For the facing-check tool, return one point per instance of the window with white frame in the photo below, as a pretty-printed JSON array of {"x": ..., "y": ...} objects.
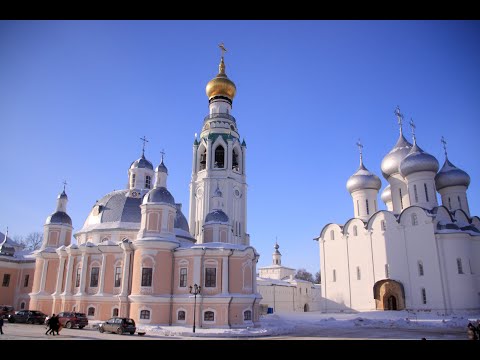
[
  {"x": 91, "y": 311},
  {"x": 368, "y": 209},
  {"x": 181, "y": 315},
  {"x": 94, "y": 276},
  {"x": 148, "y": 182},
  {"x": 115, "y": 312},
  {"x": 208, "y": 316},
  {"x": 118, "y": 276},
  {"x": 210, "y": 277},
  {"x": 424, "y": 296},
  {"x": 183, "y": 277},
  {"x": 145, "y": 314},
  {"x": 247, "y": 315},
  {"x": 132, "y": 181},
  {"x": 426, "y": 191},
  {"x": 415, "y": 192},
  {"x": 147, "y": 276},
  {"x": 79, "y": 274}
]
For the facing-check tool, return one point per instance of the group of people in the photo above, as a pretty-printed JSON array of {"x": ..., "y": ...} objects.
[
  {"x": 53, "y": 325},
  {"x": 473, "y": 331}
]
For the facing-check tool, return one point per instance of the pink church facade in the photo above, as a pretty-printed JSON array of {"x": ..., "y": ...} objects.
[{"x": 137, "y": 256}]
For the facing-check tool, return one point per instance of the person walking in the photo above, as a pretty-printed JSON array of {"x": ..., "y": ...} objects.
[
  {"x": 51, "y": 325},
  {"x": 1, "y": 324}
]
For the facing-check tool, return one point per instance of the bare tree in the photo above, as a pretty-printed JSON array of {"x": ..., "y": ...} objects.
[
  {"x": 17, "y": 238},
  {"x": 33, "y": 241},
  {"x": 303, "y": 274},
  {"x": 318, "y": 278}
]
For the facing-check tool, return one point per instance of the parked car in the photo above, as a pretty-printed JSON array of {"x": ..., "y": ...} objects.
[
  {"x": 70, "y": 319},
  {"x": 6, "y": 310},
  {"x": 27, "y": 316},
  {"x": 118, "y": 325}
]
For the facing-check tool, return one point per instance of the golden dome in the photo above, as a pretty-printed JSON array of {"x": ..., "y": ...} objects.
[{"x": 221, "y": 84}]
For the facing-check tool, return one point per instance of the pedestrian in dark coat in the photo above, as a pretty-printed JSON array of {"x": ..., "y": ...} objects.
[
  {"x": 471, "y": 332},
  {"x": 1, "y": 324}
]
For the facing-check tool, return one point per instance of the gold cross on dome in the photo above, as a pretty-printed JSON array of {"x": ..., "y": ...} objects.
[{"x": 222, "y": 48}]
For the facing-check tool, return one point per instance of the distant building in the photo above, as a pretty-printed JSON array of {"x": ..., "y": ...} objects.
[
  {"x": 415, "y": 255},
  {"x": 282, "y": 292},
  {"x": 16, "y": 273}
]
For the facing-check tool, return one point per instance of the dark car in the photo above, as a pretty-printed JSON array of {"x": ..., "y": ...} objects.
[
  {"x": 28, "y": 317},
  {"x": 118, "y": 325},
  {"x": 6, "y": 310},
  {"x": 70, "y": 319}
]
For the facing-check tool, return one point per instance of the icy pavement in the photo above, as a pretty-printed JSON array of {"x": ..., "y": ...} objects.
[{"x": 298, "y": 324}]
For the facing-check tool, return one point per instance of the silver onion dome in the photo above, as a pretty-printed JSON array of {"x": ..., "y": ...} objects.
[
  {"x": 450, "y": 175},
  {"x": 391, "y": 161},
  {"x": 363, "y": 179},
  {"x": 159, "y": 194},
  {"x": 387, "y": 194},
  {"x": 216, "y": 216},
  {"x": 141, "y": 163},
  {"x": 417, "y": 160},
  {"x": 162, "y": 168},
  {"x": 59, "y": 217}
]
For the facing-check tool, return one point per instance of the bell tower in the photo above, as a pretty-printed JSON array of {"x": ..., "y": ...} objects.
[{"x": 219, "y": 162}]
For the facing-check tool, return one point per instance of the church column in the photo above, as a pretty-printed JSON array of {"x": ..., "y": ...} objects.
[
  {"x": 44, "y": 275},
  {"x": 61, "y": 267},
  {"x": 210, "y": 154},
  {"x": 126, "y": 270},
  {"x": 102, "y": 275},
  {"x": 83, "y": 279},
  {"x": 68, "y": 282},
  {"x": 225, "y": 274}
]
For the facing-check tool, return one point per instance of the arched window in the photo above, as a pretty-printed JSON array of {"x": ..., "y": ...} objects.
[
  {"x": 219, "y": 157},
  {"x": 145, "y": 314},
  {"x": 91, "y": 311},
  {"x": 203, "y": 159},
  {"x": 209, "y": 316},
  {"x": 94, "y": 272},
  {"x": 368, "y": 210},
  {"x": 424, "y": 296},
  {"x": 414, "y": 219},
  {"x": 459, "y": 266},
  {"x": 415, "y": 192},
  {"x": 332, "y": 235},
  {"x": 148, "y": 182},
  {"x": 181, "y": 315},
  {"x": 132, "y": 181},
  {"x": 426, "y": 191},
  {"x": 420, "y": 268},
  {"x": 359, "y": 274},
  {"x": 115, "y": 312},
  {"x": 22, "y": 305},
  {"x": 355, "y": 232},
  {"x": 235, "y": 164},
  {"x": 247, "y": 315}
]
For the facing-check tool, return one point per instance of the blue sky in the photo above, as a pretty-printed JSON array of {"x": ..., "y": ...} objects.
[{"x": 76, "y": 96}]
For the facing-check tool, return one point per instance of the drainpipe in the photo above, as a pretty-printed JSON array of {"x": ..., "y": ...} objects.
[
  {"x": 202, "y": 260},
  {"x": 171, "y": 289},
  {"x": 228, "y": 288}
]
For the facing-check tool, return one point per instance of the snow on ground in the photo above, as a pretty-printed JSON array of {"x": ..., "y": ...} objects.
[{"x": 284, "y": 323}]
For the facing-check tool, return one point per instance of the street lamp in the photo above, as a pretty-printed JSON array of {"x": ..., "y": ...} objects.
[{"x": 195, "y": 290}]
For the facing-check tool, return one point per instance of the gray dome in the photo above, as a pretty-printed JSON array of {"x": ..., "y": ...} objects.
[
  {"x": 141, "y": 163},
  {"x": 363, "y": 179},
  {"x": 181, "y": 221},
  {"x": 162, "y": 168},
  {"x": 387, "y": 194},
  {"x": 391, "y": 161},
  {"x": 417, "y": 160},
  {"x": 117, "y": 207},
  {"x": 216, "y": 215},
  {"x": 159, "y": 195},
  {"x": 450, "y": 175},
  {"x": 59, "y": 217}
]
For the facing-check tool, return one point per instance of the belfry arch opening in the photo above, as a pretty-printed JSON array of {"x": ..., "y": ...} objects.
[
  {"x": 219, "y": 157},
  {"x": 389, "y": 295},
  {"x": 202, "y": 158},
  {"x": 235, "y": 162}
]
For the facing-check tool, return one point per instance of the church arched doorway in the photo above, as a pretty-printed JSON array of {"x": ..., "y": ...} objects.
[
  {"x": 305, "y": 308},
  {"x": 389, "y": 295},
  {"x": 391, "y": 303}
]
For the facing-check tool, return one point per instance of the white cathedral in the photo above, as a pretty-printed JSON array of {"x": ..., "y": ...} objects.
[{"x": 417, "y": 254}]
